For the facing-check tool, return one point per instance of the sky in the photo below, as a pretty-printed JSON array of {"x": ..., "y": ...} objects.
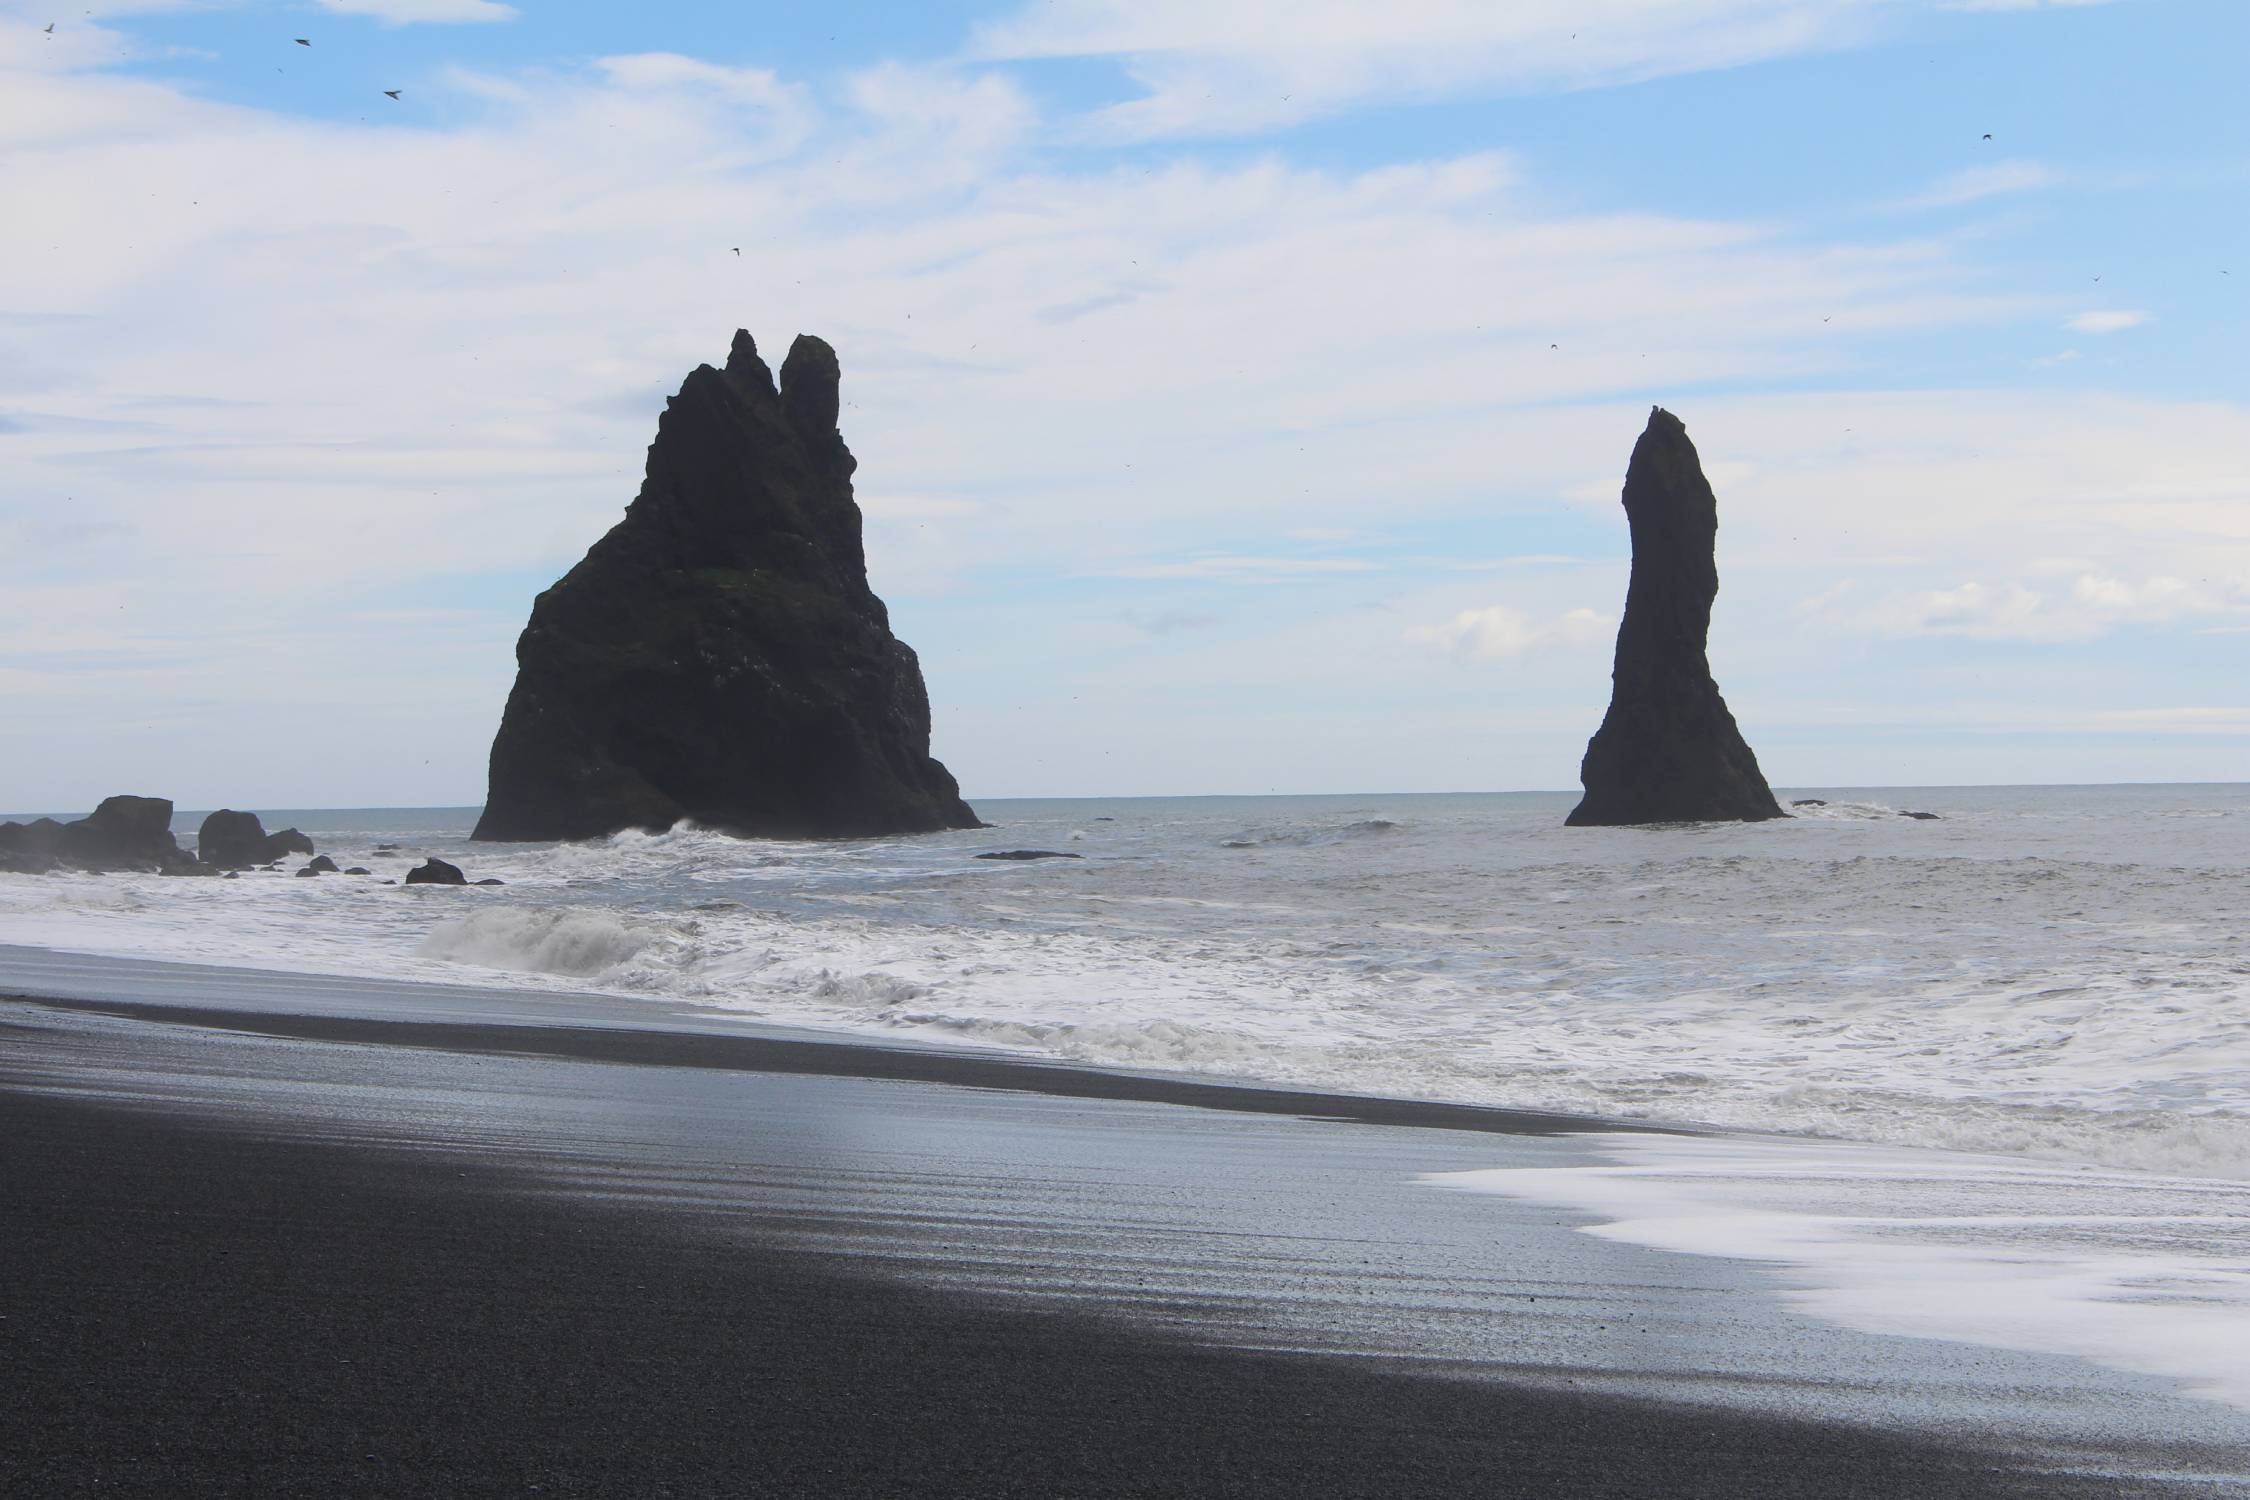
[{"x": 1241, "y": 389}]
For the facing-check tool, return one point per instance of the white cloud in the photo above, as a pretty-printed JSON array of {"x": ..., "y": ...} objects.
[
  {"x": 1497, "y": 632},
  {"x": 413, "y": 12},
  {"x": 2110, "y": 321},
  {"x": 1246, "y": 569},
  {"x": 1215, "y": 66},
  {"x": 2087, "y": 606},
  {"x": 1978, "y": 183},
  {"x": 1233, "y": 66}
]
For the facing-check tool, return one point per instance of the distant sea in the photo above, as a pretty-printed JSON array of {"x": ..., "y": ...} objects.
[{"x": 2040, "y": 998}]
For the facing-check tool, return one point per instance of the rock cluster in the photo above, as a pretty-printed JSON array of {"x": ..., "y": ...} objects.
[
  {"x": 124, "y": 833},
  {"x": 718, "y": 656},
  {"x": 1668, "y": 751},
  {"x": 135, "y": 834}
]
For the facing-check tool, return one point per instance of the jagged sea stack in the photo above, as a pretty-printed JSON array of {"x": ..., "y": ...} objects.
[
  {"x": 718, "y": 656},
  {"x": 1668, "y": 751}
]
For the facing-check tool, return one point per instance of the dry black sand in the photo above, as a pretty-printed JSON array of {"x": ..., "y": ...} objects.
[{"x": 193, "y": 1308}]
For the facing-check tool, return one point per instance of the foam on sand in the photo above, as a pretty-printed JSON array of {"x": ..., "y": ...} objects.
[{"x": 2133, "y": 1271}]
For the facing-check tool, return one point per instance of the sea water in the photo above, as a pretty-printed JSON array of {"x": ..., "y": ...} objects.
[{"x": 2043, "y": 992}]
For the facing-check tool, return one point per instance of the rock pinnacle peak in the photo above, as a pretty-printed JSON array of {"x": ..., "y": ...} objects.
[
  {"x": 1668, "y": 750},
  {"x": 718, "y": 656}
]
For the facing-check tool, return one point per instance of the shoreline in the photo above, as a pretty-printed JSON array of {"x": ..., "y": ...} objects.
[{"x": 258, "y": 1245}]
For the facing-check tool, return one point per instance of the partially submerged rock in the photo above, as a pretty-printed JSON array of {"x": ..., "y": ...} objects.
[
  {"x": 124, "y": 833},
  {"x": 436, "y": 872},
  {"x": 718, "y": 656},
  {"x": 1029, "y": 854},
  {"x": 239, "y": 841},
  {"x": 1668, "y": 751}
]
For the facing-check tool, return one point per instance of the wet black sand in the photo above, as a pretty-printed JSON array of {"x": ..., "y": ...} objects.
[{"x": 193, "y": 1306}]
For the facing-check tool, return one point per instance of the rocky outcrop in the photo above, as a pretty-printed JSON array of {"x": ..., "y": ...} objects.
[
  {"x": 32, "y": 848},
  {"x": 719, "y": 656},
  {"x": 436, "y": 872},
  {"x": 124, "y": 833},
  {"x": 1020, "y": 854},
  {"x": 1668, "y": 750},
  {"x": 239, "y": 841}
]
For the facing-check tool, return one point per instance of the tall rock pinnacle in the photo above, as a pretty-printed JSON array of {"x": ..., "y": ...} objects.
[
  {"x": 718, "y": 656},
  {"x": 1668, "y": 751}
]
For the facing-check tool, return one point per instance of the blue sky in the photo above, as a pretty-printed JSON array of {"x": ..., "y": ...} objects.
[{"x": 1241, "y": 389}]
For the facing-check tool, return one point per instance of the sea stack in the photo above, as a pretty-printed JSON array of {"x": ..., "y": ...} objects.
[
  {"x": 718, "y": 656},
  {"x": 1668, "y": 751}
]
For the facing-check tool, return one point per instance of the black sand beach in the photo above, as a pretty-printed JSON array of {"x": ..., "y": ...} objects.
[{"x": 256, "y": 1254}]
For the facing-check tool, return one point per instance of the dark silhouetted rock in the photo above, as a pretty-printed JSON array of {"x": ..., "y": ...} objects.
[
  {"x": 33, "y": 848},
  {"x": 357, "y": 870},
  {"x": 1668, "y": 751},
  {"x": 488, "y": 880},
  {"x": 436, "y": 872},
  {"x": 1808, "y": 802},
  {"x": 124, "y": 833},
  {"x": 239, "y": 841},
  {"x": 718, "y": 656},
  {"x": 308, "y": 870},
  {"x": 1029, "y": 854},
  {"x": 1922, "y": 816},
  {"x": 321, "y": 866}
]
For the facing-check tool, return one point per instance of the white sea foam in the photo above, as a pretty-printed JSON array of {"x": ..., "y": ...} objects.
[
  {"x": 2135, "y": 1271},
  {"x": 575, "y": 944}
]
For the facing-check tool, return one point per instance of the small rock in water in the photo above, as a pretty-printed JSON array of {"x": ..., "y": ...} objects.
[
  {"x": 488, "y": 880},
  {"x": 358, "y": 870},
  {"x": 1923, "y": 816},
  {"x": 386, "y": 848},
  {"x": 1028, "y": 854},
  {"x": 321, "y": 865},
  {"x": 1808, "y": 802},
  {"x": 436, "y": 872}
]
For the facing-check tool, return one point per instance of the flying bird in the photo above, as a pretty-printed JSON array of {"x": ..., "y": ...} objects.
[
  {"x": 391, "y": 93},
  {"x": 50, "y": 28},
  {"x": 1988, "y": 135},
  {"x": 302, "y": 41},
  {"x": 736, "y": 248}
]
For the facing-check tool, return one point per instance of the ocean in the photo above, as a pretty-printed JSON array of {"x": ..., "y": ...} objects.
[{"x": 2001, "y": 1056}]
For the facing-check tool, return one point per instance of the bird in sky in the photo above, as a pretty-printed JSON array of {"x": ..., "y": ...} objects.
[
  {"x": 391, "y": 93},
  {"x": 302, "y": 41},
  {"x": 1988, "y": 135},
  {"x": 50, "y": 28},
  {"x": 736, "y": 248}
]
